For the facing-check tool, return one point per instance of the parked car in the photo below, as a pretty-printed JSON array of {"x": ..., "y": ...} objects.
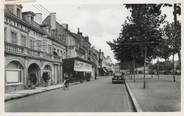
[{"x": 118, "y": 77}]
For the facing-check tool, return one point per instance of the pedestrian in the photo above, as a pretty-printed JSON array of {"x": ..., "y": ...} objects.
[{"x": 66, "y": 82}]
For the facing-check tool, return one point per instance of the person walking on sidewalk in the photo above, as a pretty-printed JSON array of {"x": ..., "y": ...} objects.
[{"x": 66, "y": 82}]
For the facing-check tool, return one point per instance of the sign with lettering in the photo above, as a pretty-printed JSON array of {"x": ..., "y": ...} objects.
[{"x": 82, "y": 66}]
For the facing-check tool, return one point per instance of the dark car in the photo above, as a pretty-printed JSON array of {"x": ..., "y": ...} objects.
[{"x": 118, "y": 78}]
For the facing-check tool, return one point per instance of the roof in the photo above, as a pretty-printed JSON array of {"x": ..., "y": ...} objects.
[
  {"x": 35, "y": 26},
  {"x": 46, "y": 22}
]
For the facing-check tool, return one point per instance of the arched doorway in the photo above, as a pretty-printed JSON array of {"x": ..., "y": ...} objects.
[
  {"x": 14, "y": 73},
  {"x": 33, "y": 74},
  {"x": 47, "y": 73}
]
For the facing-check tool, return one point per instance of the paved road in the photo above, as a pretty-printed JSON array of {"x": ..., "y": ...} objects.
[{"x": 93, "y": 96}]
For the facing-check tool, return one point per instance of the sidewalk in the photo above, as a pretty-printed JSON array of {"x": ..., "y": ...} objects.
[
  {"x": 162, "y": 95},
  {"x": 24, "y": 93}
]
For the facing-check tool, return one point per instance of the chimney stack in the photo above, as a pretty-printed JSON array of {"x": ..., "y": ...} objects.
[
  {"x": 78, "y": 30},
  {"x": 87, "y": 38},
  {"x": 65, "y": 26},
  {"x": 80, "y": 33},
  {"x": 53, "y": 21},
  {"x": 28, "y": 16}
]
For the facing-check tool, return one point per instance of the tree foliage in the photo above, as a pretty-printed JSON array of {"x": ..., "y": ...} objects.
[
  {"x": 140, "y": 30},
  {"x": 173, "y": 33}
]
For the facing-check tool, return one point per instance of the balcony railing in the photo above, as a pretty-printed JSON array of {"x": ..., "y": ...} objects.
[
  {"x": 24, "y": 51},
  {"x": 35, "y": 53},
  {"x": 13, "y": 48}
]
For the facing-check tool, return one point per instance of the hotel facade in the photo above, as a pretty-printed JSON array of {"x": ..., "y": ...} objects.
[{"x": 30, "y": 50}]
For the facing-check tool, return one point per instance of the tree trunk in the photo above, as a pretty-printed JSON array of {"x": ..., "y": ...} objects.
[
  {"x": 158, "y": 68},
  {"x": 173, "y": 70},
  {"x": 134, "y": 69},
  {"x": 145, "y": 55},
  {"x": 179, "y": 57}
]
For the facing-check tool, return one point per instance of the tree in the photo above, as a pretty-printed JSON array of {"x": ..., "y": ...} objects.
[
  {"x": 140, "y": 34},
  {"x": 173, "y": 34}
]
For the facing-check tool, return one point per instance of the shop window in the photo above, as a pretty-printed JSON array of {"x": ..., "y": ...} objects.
[{"x": 14, "y": 73}]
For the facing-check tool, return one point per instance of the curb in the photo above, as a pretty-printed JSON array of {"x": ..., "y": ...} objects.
[
  {"x": 133, "y": 99},
  {"x": 36, "y": 92}
]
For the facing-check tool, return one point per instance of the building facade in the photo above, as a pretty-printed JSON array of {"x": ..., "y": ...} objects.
[
  {"x": 29, "y": 51},
  {"x": 36, "y": 50}
]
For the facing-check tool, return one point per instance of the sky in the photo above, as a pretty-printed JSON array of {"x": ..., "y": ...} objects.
[{"x": 101, "y": 21}]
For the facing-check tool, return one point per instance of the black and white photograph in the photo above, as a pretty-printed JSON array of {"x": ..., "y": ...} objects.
[{"x": 63, "y": 56}]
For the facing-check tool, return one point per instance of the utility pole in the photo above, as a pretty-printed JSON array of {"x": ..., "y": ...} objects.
[{"x": 175, "y": 12}]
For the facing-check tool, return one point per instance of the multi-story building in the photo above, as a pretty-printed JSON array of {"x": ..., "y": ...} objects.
[
  {"x": 108, "y": 65},
  {"x": 94, "y": 57},
  {"x": 77, "y": 65},
  {"x": 105, "y": 64},
  {"x": 30, "y": 50}
]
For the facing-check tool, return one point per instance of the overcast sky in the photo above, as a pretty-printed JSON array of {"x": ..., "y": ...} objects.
[{"x": 101, "y": 21}]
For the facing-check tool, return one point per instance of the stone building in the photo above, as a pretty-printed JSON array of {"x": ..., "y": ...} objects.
[
  {"x": 31, "y": 49},
  {"x": 94, "y": 57},
  {"x": 105, "y": 64},
  {"x": 78, "y": 64}
]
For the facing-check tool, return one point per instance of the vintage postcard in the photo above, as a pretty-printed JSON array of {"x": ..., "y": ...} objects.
[{"x": 64, "y": 57}]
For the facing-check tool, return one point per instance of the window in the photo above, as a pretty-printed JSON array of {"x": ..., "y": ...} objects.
[
  {"x": 5, "y": 34},
  {"x": 23, "y": 40},
  {"x": 18, "y": 13},
  {"x": 50, "y": 49},
  {"x": 14, "y": 37},
  {"x": 32, "y": 43},
  {"x": 45, "y": 45},
  {"x": 39, "y": 45}
]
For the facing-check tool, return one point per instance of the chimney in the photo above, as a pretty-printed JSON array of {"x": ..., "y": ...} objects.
[
  {"x": 28, "y": 16},
  {"x": 78, "y": 30},
  {"x": 87, "y": 38},
  {"x": 16, "y": 9},
  {"x": 65, "y": 26},
  {"x": 38, "y": 18},
  {"x": 46, "y": 28},
  {"x": 80, "y": 33},
  {"x": 53, "y": 21}
]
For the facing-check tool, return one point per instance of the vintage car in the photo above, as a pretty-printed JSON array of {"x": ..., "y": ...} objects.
[{"x": 118, "y": 77}]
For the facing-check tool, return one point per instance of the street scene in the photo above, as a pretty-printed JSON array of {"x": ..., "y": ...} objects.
[
  {"x": 92, "y": 57},
  {"x": 94, "y": 96}
]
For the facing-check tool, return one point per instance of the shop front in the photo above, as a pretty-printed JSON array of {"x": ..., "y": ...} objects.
[{"x": 77, "y": 69}]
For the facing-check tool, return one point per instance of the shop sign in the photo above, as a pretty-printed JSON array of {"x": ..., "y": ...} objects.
[{"x": 82, "y": 66}]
